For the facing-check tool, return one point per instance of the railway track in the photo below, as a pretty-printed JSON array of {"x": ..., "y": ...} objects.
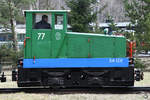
[
  {"x": 143, "y": 56},
  {"x": 113, "y": 90}
]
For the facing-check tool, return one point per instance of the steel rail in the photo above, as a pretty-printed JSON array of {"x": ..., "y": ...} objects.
[{"x": 113, "y": 90}]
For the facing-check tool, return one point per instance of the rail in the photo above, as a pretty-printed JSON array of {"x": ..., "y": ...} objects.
[{"x": 112, "y": 90}]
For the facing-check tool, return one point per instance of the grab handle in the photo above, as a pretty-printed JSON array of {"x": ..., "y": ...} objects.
[{"x": 25, "y": 41}]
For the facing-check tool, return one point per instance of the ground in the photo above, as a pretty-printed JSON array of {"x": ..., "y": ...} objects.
[
  {"x": 23, "y": 96},
  {"x": 75, "y": 96}
]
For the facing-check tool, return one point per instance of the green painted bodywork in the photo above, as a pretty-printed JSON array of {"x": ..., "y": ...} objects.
[{"x": 58, "y": 43}]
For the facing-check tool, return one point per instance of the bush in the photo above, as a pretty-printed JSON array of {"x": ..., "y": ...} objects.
[
  {"x": 9, "y": 55},
  {"x": 139, "y": 64}
]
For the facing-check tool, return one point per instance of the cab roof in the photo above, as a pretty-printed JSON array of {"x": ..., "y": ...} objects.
[{"x": 45, "y": 11}]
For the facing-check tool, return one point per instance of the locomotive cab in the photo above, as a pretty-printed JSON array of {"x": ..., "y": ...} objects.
[{"x": 43, "y": 39}]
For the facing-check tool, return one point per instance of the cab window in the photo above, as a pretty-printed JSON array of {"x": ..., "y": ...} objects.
[
  {"x": 41, "y": 21},
  {"x": 59, "y": 21}
]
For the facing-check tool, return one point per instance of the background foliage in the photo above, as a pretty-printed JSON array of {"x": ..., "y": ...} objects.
[
  {"x": 8, "y": 55},
  {"x": 81, "y": 15},
  {"x": 139, "y": 13},
  {"x": 10, "y": 12}
]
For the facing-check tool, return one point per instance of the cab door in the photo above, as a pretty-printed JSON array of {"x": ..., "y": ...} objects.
[
  {"x": 41, "y": 43},
  {"x": 59, "y": 29},
  {"x": 41, "y": 40}
]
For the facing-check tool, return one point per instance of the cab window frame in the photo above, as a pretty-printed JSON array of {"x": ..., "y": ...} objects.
[
  {"x": 34, "y": 20},
  {"x": 55, "y": 21}
]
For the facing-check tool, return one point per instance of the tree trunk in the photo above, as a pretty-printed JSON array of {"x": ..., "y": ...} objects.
[
  {"x": 47, "y": 5},
  {"x": 12, "y": 20},
  {"x": 15, "y": 43},
  {"x": 37, "y": 4},
  {"x": 31, "y": 7}
]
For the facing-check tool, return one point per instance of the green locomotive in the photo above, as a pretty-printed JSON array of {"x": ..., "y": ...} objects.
[{"x": 57, "y": 58}]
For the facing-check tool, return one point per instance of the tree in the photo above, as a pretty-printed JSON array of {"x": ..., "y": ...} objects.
[
  {"x": 139, "y": 13},
  {"x": 82, "y": 14},
  {"x": 10, "y": 10},
  {"x": 45, "y": 4},
  {"x": 50, "y": 4}
]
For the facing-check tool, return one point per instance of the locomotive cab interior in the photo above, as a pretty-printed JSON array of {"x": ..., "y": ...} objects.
[{"x": 58, "y": 23}]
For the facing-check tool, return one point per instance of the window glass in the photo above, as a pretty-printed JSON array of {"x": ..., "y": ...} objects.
[
  {"x": 58, "y": 21},
  {"x": 41, "y": 21}
]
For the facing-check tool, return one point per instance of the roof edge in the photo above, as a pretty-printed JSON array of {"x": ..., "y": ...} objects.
[{"x": 46, "y": 10}]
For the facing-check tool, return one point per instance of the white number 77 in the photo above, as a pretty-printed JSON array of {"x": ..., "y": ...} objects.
[{"x": 41, "y": 36}]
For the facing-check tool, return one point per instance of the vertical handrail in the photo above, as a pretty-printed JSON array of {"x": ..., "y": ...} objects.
[
  {"x": 25, "y": 41},
  {"x": 130, "y": 49}
]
